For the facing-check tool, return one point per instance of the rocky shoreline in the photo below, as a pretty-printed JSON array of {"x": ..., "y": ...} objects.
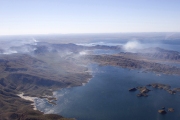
[{"x": 131, "y": 63}]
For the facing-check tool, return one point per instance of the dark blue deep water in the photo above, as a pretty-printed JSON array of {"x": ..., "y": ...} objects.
[{"x": 106, "y": 97}]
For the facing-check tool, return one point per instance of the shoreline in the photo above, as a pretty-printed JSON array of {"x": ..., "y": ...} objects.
[
  {"x": 52, "y": 99},
  {"x": 49, "y": 99},
  {"x": 32, "y": 99}
]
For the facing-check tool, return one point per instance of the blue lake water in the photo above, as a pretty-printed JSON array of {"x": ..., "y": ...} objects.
[{"x": 106, "y": 97}]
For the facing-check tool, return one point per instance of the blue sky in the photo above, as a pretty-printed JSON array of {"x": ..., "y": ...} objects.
[{"x": 88, "y": 16}]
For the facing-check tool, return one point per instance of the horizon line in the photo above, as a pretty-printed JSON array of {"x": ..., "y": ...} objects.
[{"x": 80, "y": 33}]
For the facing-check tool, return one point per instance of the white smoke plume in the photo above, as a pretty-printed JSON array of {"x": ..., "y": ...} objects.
[
  {"x": 132, "y": 46},
  {"x": 83, "y": 53}
]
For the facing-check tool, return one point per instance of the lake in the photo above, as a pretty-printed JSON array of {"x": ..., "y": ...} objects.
[{"x": 106, "y": 97}]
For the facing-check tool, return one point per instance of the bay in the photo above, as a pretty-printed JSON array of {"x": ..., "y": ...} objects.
[{"x": 106, "y": 97}]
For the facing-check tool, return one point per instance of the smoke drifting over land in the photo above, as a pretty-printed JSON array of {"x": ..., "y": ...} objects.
[
  {"x": 18, "y": 46},
  {"x": 132, "y": 46},
  {"x": 141, "y": 47}
]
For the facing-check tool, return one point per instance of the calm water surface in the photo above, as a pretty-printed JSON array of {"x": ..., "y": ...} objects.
[{"x": 106, "y": 97}]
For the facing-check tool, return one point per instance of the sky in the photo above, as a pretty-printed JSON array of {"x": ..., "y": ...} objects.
[{"x": 88, "y": 16}]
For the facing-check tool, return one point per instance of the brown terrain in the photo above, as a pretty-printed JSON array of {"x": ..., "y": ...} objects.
[
  {"x": 35, "y": 75},
  {"x": 55, "y": 66},
  {"x": 155, "y": 60}
]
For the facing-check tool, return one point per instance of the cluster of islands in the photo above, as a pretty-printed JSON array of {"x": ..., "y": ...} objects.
[
  {"x": 144, "y": 90},
  {"x": 49, "y": 67}
]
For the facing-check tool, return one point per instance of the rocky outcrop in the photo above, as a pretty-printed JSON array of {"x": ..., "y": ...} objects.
[
  {"x": 160, "y": 86},
  {"x": 164, "y": 87},
  {"x": 132, "y": 89},
  {"x": 142, "y": 91},
  {"x": 171, "y": 91},
  {"x": 170, "y": 109},
  {"x": 162, "y": 111}
]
